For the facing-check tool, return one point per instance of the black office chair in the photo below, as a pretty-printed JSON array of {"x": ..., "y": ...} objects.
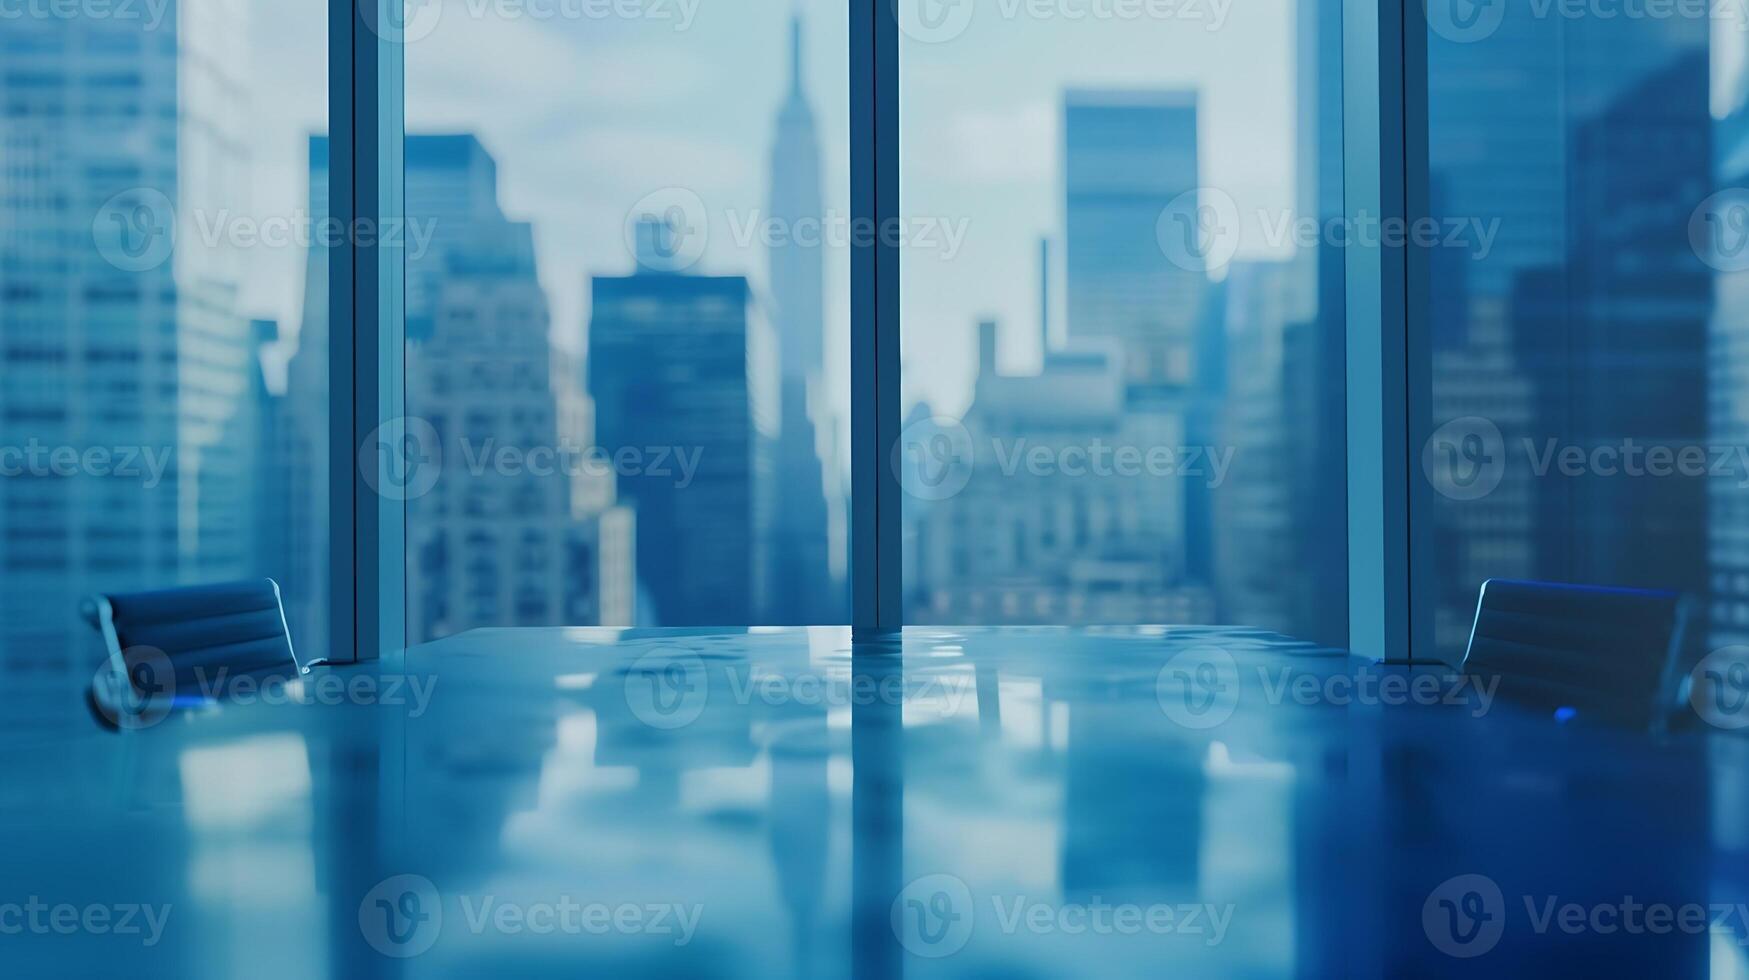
[
  {"x": 177, "y": 648},
  {"x": 1612, "y": 655}
]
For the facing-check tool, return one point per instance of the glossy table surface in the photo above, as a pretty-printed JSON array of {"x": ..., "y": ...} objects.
[{"x": 1190, "y": 802}]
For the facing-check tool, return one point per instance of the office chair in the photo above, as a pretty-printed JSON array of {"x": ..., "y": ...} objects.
[
  {"x": 1613, "y": 655},
  {"x": 176, "y": 648}
]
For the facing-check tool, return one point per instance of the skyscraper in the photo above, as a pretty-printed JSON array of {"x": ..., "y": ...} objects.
[
  {"x": 1518, "y": 136},
  {"x": 1728, "y": 403},
  {"x": 802, "y": 587},
  {"x": 515, "y": 543},
  {"x": 496, "y": 543},
  {"x": 1623, "y": 360},
  {"x": 685, "y": 367},
  {"x": 490, "y": 544},
  {"x": 119, "y": 327},
  {"x": 1128, "y": 156}
]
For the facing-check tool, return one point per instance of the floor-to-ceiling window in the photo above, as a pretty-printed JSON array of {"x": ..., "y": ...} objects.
[
  {"x": 1123, "y": 314},
  {"x": 163, "y": 315},
  {"x": 1576, "y": 395},
  {"x": 627, "y": 313}
]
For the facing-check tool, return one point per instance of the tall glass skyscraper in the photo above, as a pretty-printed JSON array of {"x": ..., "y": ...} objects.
[
  {"x": 120, "y": 332},
  {"x": 685, "y": 366},
  {"x": 1128, "y": 156},
  {"x": 810, "y": 504}
]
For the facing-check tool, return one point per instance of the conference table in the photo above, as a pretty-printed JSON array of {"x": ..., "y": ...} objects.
[{"x": 1004, "y": 802}]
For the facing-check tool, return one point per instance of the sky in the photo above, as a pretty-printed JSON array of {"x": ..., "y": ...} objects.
[{"x": 588, "y": 114}]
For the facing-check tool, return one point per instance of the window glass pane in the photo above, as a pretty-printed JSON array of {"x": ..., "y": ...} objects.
[
  {"x": 1580, "y": 390},
  {"x": 1122, "y": 315},
  {"x": 163, "y": 364},
  {"x": 627, "y": 325}
]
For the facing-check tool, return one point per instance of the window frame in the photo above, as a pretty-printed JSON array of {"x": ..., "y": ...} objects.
[{"x": 1385, "y": 174}]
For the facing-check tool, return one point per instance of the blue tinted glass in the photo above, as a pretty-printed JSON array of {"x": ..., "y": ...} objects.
[
  {"x": 1578, "y": 408},
  {"x": 1123, "y": 314},
  {"x": 163, "y": 362},
  {"x": 626, "y": 322}
]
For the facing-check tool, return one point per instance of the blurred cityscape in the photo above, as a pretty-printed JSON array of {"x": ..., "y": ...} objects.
[{"x": 713, "y": 489}]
